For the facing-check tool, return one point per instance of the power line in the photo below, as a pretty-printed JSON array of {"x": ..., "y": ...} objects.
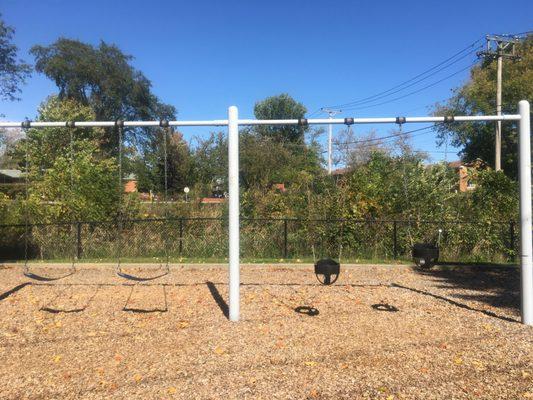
[
  {"x": 518, "y": 34},
  {"x": 413, "y": 92},
  {"x": 317, "y": 111},
  {"x": 395, "y": 135},
  {"x": 431, "y": 151},
  {"x": 425, "y": 106},
  {"x": 413, "y": 78},
  {"x": 390, "y": 92},
  {"x": 387, "y": 141}
]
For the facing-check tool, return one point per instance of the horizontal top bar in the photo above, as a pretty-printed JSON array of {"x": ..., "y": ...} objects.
[{"x": 251, "y": 122}]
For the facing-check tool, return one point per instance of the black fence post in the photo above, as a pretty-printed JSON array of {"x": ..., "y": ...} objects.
[
  {"x": 180, "y": 247},
  {"x": 512, "y": 240},
  {"x": 79, "y": 248},
  {"x": 181, "y": 237},
  {"x": 395, "y": 240},
  {"x": 285, "y": 251}
]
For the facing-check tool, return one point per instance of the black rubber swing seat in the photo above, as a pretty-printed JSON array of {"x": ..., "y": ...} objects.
[
  {"x": 36, "y": 277},
  {"x": 425, "y": 255},
  {"x": 27, "y": 273},
  {"x": 328, "y": 269},
  {"x": 141, "y": 278}
]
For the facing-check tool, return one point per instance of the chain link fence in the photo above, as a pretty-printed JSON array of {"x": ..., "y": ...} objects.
[{"x": 261, "y": 239}]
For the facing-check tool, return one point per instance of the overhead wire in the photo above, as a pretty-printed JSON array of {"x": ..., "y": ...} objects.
[
  {"x": 413, "y": 92},
  {"x": 390, "y": 92},
  {"x": 422, "y": 74},
  {"x": 381, "y": 138},
  {"x": 519, "y": 34}
]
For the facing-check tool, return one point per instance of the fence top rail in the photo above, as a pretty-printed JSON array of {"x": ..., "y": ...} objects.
[
  {"x": 252, "y": 122},
  {"x": 305, "y": 220}
]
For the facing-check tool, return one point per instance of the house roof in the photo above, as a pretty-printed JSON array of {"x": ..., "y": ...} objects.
[
  {"x": 12, "y": 173},
  {"x": 477, "y": 163},
  {"x": 340, "y": 171},
  {"x": 213, "y": 200},
  {"x": 455, "y": 164}
]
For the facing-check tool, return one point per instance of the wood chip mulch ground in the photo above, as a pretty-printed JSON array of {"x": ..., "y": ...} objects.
[{"x": 382, "y": 332}]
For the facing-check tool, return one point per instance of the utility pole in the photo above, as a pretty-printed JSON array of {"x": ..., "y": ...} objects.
[
  {"x": 331, "y": 113},
  {"x": 499, "y": 47}
]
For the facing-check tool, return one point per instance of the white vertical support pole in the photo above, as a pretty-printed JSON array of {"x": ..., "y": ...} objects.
[
  {"x": 234, "y": 247},
  {"x": 330, "y": 148},
  {"x": 498, "y": 136},
  {"x": 526, "y": 243}
]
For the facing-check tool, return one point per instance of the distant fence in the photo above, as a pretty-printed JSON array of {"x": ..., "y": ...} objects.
[{"x": 265, "y": 238}]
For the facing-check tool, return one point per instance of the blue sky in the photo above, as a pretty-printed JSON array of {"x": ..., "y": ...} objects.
[{"x": 203, "y": 56}]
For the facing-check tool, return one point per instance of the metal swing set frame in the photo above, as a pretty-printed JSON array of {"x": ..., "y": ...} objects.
[{"x": 233, "y": 122}]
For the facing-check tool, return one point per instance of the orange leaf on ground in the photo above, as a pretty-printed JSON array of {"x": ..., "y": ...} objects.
[{"x": 183, "y": 324}]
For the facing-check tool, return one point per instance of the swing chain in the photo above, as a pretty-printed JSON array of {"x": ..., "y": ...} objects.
[
  {"x": 120, "y": 126},
  {"x": 25, "y": 125},
  {"x": 166, "y": 130},
  {"x": 400, "y": 121}
]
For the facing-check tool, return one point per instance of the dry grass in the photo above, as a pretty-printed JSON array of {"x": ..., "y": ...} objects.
[{"x": 94, "y": 335}]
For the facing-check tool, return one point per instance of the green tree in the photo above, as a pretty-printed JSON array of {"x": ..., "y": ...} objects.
[
  {"x": 210, "y": 160},
  {"x": 478, "y": 96},
  {"x": 265, "y": 161},
  {"x": 13, "y": 72},
  {"x": 70, "y": 177},
  {"x": 103, "y": 78},
  {"x": 49, "y": 143},
  {"x": 83, "y": 188},
  {"x": 354, "y": 149},
  {"x": 150, "y": 165},
  {"x": 281, "y": 106}
]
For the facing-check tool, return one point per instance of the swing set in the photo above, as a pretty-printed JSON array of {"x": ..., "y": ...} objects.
[
  {"x": 165, "y": 266},
  {"x": 119, "y": 125},
  {"x": 328, "y": 268}
]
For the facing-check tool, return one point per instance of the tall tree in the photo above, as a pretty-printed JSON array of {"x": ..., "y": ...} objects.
[
  {"x": 70, "y": 177},
  {"x": 103, "y": 78},
  {"x": 150, "y": 166},
  {"x": 265, "y": 161},
  {"x": 353, "y": 150},
  {"x": 13, "y": 71},
  {"x": 478, "y": 96},
  {"x": 281, "y": 106},
  {"x": 211, "y": 160}
]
